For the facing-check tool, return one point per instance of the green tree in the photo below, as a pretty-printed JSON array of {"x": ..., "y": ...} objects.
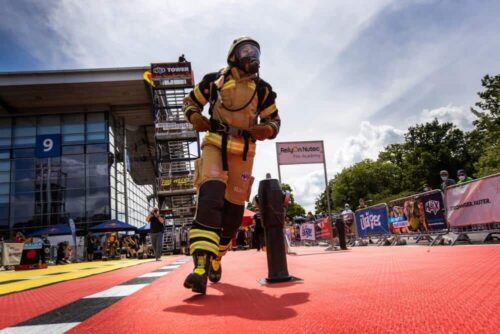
[
  {"x": 484, "y": 140},
  {"x": 365, "y": 179},
  {"x": 432, "y": 147},
  {"x": 294, "y": 209}
]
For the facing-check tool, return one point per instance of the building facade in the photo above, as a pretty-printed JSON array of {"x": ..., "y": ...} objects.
[{"x": 103, "y": 168}]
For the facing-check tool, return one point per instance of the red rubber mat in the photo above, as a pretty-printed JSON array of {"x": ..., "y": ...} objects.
[
  {"x": 370, "y": 289},
  {"x": 21, "y": 306}
]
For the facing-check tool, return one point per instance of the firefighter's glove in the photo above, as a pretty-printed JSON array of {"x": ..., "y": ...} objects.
[
  {"x": 200, "y": 122},
  {"x": 262, "y": 131}
]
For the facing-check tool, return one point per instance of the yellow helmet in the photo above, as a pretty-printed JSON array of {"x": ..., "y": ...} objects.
[{"x": 232, "y": 59}]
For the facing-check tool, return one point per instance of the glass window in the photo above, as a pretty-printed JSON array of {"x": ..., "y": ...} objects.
[
  {"x": 73, "y": 138},
  {"x": 25, "y": 127},
  {"x": 5, "y": 154},
  {"x": 97, "y": 164},
  {"x": 4, "y": 188},
  {"x": 78, "y": 182},
  {"x": 72, "y": 149},
  {"x": 73, "y": 166},
  {"x": 5, "y": 142},
  {"x": 73, "y": 123},
  {"x": 24, "y": 153},
  {"x": 97, "y": 181},
  {"x": 96, "y": 136},
  {"x": 23, "y": 186},
  {"x": 97, "y": 148},
  {"x": 24, "y": 164},
  {"x": 24, "y": 174},
  {"x": 4, "y": 199},
  {"x": 4, "y": 177},
  {"x": 4, "y": 165},
  {"x": 49, "y": 125},
  {"x": 96, "y": 122},
  {"x": 25, "y": 141}
]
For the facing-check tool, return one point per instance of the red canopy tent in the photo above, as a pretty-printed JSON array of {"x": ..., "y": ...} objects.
[{"x": 247, "y": 218}]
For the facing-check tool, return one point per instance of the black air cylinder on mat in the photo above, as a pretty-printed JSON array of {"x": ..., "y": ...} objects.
[{"x": 273, "y": 217}]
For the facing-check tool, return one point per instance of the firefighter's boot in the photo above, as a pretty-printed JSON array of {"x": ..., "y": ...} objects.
[
  {"x": 197, "y": 280},
  {"x": 215, "y": 270}
]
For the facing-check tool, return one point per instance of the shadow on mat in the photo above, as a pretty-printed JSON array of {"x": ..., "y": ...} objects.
[{"x": 241, "y": 302}]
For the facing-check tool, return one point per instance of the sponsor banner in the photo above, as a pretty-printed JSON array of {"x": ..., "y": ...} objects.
[
  {"x": 372, "y": 221},
  {"x": 435, "y": 214},
  {"x": 171, "y": 71},
  {"x": 303, "y": 152},
  {"x": 307, "y": 232},
  {"x": 422, "y": 212},
  {"x": 474, "y": 203},
  {"x": 32, "y": 253},
  {"x": 11, "y": 253},
  {"x": 323, "y": 227}
]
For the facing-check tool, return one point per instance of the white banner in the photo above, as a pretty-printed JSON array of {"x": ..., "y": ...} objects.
[
  {"x": 11, "y": 253},
  {"x": 307, "y": 232},
  {"x": 474, "y": 203},
  {"x": 300, "y": 152}
]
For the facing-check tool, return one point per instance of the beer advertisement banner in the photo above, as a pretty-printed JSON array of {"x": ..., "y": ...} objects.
[
  {"x": 422, "y": 213},
  {"x": 372, "y": 221},
  {"x": 307, "y": 232},
  {"x": 474, "y": 203},
  {"x": 302, "y": 152}
]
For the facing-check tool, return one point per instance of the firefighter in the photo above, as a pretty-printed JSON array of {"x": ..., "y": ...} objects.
[{"x": 242, "y": 111}]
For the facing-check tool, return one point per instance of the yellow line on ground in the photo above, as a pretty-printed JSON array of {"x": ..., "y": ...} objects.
[{"x": 59, "y": 273}]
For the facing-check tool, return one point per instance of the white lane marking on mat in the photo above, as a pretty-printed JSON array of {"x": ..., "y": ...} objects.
[
  {"x": 170, "y": 267},
  {"x": 118, "y": 291},
  {"x": 40, "y": 329},
  {"x": 155, "y": 274}
]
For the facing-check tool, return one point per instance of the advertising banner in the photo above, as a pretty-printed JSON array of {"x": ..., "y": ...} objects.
[
  {"x": 422, "y": 212},
  {"x": 323, "y": 227},
  {"x": 435, "y": 215},
  {"x": 372, "y": 221},
  {"x": 11, "y": 253},
  {"x": 302, "y": 152},
  {"x": 307, "y": 232},
  {"x": 32, "y": 253},
  {"x": 171, "y": 71},
  {"x": 474, "y": 203}
]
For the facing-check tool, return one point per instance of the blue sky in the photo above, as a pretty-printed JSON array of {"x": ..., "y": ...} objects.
[{"x": 355, "y": 74}]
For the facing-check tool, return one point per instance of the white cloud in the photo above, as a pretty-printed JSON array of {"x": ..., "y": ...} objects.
[
  {"x": 367, "y": 144},
  {"x": 460, "y": 116}
]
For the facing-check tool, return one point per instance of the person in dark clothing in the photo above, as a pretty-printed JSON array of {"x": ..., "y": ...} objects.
[
  {"x": 259, "y": 240},
  {"x": 446, "y": 180},
  {"x": 157, "y": 227}
]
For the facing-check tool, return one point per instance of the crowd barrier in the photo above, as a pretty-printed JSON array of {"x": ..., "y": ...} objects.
[
  {"x": 466, "y": 208},
  {"x": 474, "y": 207}
]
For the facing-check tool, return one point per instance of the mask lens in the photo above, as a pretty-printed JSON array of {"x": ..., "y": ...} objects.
[{"x": 247, "y": 50}]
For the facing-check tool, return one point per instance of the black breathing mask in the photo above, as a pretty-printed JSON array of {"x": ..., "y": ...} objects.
[{"x": 248, "y": 57}]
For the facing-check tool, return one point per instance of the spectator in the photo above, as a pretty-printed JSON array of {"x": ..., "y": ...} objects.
[
  {"x": 45, "y": 248},
  {"x": 347, "y": 209},
  {"x": 20, "y": 237},
  {"x": 157, "y": 227},
  {"x": 362, "y": 203},
  {"x": 426, "y": 187},
  {"x": 62, "y": 253},
  {"x": 446, "y": 180},
  {"x": 91, "y": 247},
  {"x": 310, "y": 217},
  {"x": 462, "y": 177}
]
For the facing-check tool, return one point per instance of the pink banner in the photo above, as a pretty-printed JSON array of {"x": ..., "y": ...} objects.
[{"x": 474, "y": 203}]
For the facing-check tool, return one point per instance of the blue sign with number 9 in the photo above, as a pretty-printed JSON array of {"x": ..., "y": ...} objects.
[{"x": 48, "y": 146}]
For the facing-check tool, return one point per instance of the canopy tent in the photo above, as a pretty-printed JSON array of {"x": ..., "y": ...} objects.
[
  {"x": 113, "y": 225},
  {"x": 247, "y": 217},
  {"x": 58, "y": 229},
  {"x": 144, "y": 229}
]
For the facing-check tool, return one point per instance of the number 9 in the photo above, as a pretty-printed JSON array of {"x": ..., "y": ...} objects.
[{"x": 47, "y": 144}]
